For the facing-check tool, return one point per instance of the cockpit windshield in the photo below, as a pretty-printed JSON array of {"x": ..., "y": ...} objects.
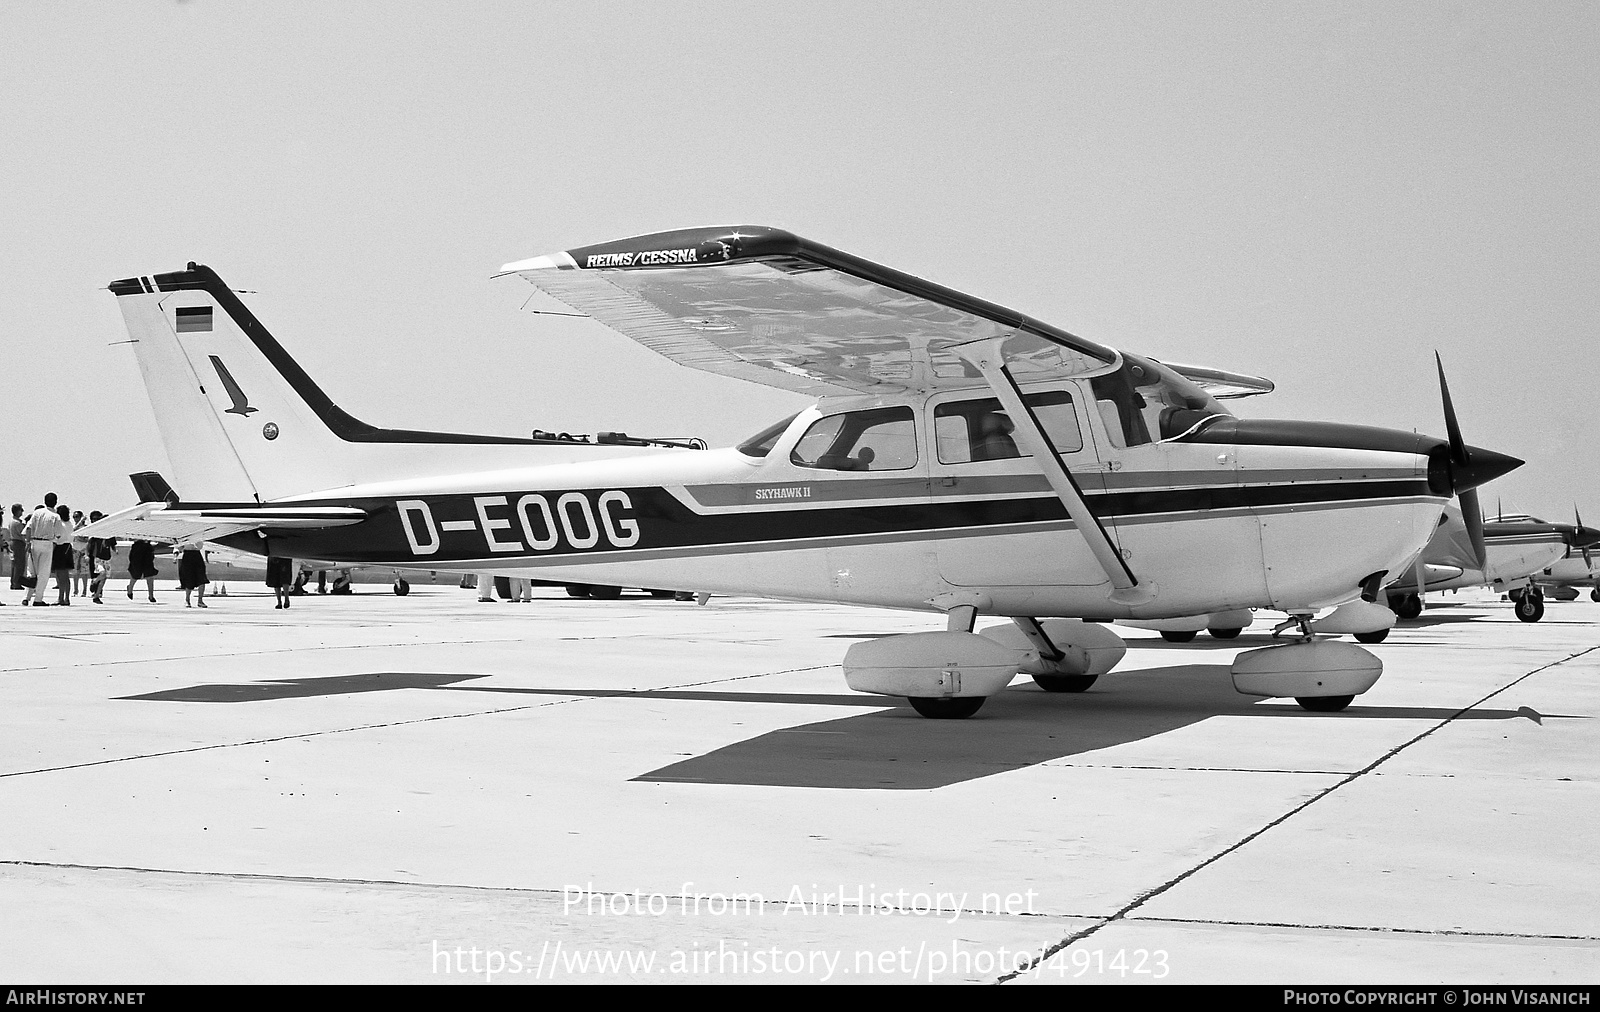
[
  {"x": 1145, "y": 402},
  {"x": 761, "y": 444}
]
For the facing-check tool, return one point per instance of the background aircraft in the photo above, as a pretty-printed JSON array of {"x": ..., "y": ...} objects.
[
  {"x": 962, "y": 458},
  {"x": 1516, "y": 550}
]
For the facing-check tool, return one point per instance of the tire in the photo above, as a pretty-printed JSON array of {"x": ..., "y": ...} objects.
[
  {"x": 1224, "y": 634},
  {"x": 659, "y": 594},
  {"x": 683, "y": 595},
  {"x": 605, "y": 593},
  {"x": 1594, "y": 595},
  {"x": 1179, "y": 637},
  {"x": 577, "y": 590},
  {"x": 1064, "y": 683},
  {"x": 1530, "y": 608},
  {"x": 1410, "y": 606},
  {"x": 1323, "y": 704},
  {"x": 1372, "y": 637},
  {"x": 955, "y": 708},
  {"x": 401, "y": 588}
]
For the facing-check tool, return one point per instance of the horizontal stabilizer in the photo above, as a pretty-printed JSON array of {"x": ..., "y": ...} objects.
[{"x": 168, "y": 522}]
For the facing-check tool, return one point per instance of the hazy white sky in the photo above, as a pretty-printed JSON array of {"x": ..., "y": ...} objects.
[{"x": 1319, "y": 193}]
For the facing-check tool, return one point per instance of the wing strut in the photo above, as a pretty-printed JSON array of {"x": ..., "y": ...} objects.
[{"x": 985, "y": 356}]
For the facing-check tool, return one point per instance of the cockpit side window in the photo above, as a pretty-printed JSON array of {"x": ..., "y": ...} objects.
[
  {"x": 761, "y": 444},
  {"x": 879, "y": 439},
  {"x": 978, "y": 430}
]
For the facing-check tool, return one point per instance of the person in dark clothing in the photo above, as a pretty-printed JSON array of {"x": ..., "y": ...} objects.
[
  {"x": 280, "y": 577},
  {"x": 142, "y": 566},
  {"x": 62, "y": 560},
  {"x": 192, "y": 573}
]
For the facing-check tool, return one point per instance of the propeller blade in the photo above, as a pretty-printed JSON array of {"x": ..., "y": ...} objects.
[
  {"x": 1583, "y": 537},
  {"x": 1452, "y": 427},
  {"x": 1472, "y": 516},
  {"x": 1470, "y": 466}
]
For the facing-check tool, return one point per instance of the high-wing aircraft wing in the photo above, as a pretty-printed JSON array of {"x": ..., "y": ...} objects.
[
  {"x": 161, "y": 521},
  {"x": 790, "y": 313}
]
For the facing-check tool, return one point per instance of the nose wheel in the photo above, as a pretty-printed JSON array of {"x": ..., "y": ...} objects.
[
  {"x": 1530, "y": 606},
  {"x": 1406, "y": 606}
]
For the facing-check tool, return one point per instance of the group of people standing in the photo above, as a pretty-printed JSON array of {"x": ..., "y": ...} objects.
[{"x": 45, "y": 543}]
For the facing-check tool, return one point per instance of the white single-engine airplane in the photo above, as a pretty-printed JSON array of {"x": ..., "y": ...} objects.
[
  {"x": 1510, "y": 556},
  {"x": 962, "y": 458}
]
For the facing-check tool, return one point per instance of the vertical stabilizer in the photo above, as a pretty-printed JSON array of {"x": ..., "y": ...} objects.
[{"x": 242, "y": 421}]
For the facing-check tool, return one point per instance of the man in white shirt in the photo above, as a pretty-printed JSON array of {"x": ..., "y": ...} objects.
[{"x": 44, "y": 530}]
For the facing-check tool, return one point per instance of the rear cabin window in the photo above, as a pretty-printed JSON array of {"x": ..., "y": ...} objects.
[
  {"x": 881, "y": 439},
  {"x": 977, "y": 430}
]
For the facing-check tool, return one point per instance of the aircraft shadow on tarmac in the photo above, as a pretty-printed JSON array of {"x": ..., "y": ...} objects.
[
  {"x": 299, "y": 688},
  {"x": 897, "y": 750},
  {"x": 892, "y": 748}
]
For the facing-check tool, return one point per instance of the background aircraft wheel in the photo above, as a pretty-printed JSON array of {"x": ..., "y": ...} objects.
[
  {"x": 1410, "y": 606},
  {"x": 1377, "y": 636},
  {"x": 577, "y": 590},
  {"x": 401, "y": 588},
  {"x": 1184, "y": 636},
  {"x": 954, "y": 708},
  {"x": 605, "y": 593},
  {"x": 1224, "y": 634},
  {"x": 659, "y": 593},
  {"x": 1530, "y": 608},
  {"x": 1064, "y": 683},
  {"x": 1323, "y": 704},
  {"x": 683, "y": 595},
  {"x": 1594, "y": 595}
]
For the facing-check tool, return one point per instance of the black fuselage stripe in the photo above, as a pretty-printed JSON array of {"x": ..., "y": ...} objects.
[{"x": 664, "y": 522}]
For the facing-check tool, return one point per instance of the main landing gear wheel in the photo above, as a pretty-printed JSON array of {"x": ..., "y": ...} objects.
[
  {"x": 605, "y": 593},
  {"x": 1323, "y": 704},
  {"x": 1594, "y": 595},
  {"x": 1224, "y": 634},
  {"x": 1176, "y": 636},
  {"x": 1377, "y": 636},
  {"x": 1064, "y": 683},
  {"x": 1530, "y": 607},
  {"x": 1408, "y": 607},
  {"x": 951, "y": 708},
  {"x": 577, "y": 590},
  {"x": 401, "y": 588}
]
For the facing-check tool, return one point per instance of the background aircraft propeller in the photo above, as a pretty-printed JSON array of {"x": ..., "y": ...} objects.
[{"x": 1584, "y": 537}]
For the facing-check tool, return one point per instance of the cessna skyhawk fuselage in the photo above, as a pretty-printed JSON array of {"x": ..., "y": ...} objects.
[{"x": 961, "y": 458}]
